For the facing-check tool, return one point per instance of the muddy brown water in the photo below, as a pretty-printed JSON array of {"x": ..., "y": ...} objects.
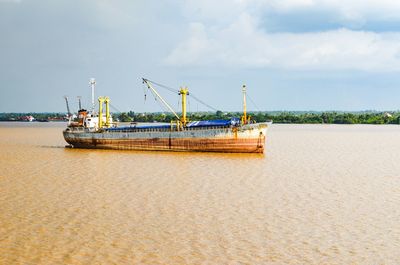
[{"x": 321, "y": 194}]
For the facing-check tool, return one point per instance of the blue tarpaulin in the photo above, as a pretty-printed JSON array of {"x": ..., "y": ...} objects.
[
  {"x": 233, "y": 121},
  {"x": 193, "y": 124}
]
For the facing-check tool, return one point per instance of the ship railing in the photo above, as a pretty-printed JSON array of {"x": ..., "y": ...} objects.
[
  {"x": 81, "y": 129},
  {"x": 209, "y": 127},
  {"x": 133, "y": 129}
]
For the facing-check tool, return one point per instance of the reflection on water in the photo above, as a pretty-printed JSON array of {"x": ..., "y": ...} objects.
[{"x": 320, "y": 195}]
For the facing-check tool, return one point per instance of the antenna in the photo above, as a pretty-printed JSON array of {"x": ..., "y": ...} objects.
[{"x": 92, "y": 84}]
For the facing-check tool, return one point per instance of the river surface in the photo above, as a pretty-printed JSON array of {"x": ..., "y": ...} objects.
[{"x": 321, "y": 194}]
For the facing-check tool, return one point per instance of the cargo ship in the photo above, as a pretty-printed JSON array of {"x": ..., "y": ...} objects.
[{"x": 97, "y": 130}]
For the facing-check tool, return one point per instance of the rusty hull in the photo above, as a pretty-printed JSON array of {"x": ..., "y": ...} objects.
[{"x": 244, "y": 139}]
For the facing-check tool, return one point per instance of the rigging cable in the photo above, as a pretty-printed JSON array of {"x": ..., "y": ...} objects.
[
  {"x": 202, "y": 102},
  {"x": 144, "y": 92},
  {"x": 176, "y": 91},
  {"x": 164, "y": 86},
  {"x": 117, "y": 110},
  {"x": 253, "y": 102}
]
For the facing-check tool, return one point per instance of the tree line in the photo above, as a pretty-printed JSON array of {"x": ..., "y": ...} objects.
[
  {"x": 277, "y": 117},
  {"x": 332, "y": 117},
  {"x": 39, "y": 116}
]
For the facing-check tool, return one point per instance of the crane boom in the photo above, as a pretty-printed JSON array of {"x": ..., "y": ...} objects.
[
  {"x": 66, "y": 102},
  {"x": 158, "y": 95}
]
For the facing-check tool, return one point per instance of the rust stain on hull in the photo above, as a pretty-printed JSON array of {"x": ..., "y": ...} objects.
[
  {"x": 245, "y": 139},
  {"x": 162, "y": 144}
]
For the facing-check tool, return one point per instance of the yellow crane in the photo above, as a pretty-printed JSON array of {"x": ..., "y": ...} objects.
[
  {"x": 106, "y": 101},
  {"x": 183, "y": 92}
]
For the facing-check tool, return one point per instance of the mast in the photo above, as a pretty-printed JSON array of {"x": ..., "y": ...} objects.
[
  {"x": 79, "y": 102},
  {"x": 184, "y": 92},
  {"x": 158, "y": 95},
  {"x": 244, "y": 117},
  {"x": 92, "y": 84}
]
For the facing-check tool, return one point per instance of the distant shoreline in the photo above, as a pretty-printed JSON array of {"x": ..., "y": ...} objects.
[
  {"x": 30, "y": 121},
  {"x": 280, "y": 117}
]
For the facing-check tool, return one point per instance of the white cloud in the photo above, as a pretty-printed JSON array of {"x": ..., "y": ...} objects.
[
  {"x": 240, "y": 42},
  {"x": 346, "y": 9},
  {"x": 358, "y": 11}
]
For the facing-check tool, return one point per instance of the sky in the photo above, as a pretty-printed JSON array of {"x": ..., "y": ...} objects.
[{"x": 291, "y": 54}]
